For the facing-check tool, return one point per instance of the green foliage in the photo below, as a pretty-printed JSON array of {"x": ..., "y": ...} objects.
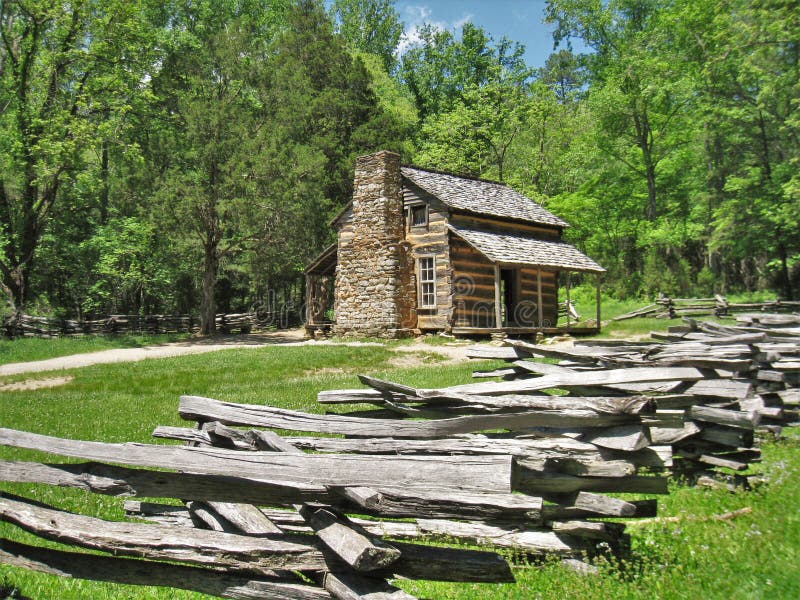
[
  {"x": 163, "y": 156},
  {"x": 476, "y": 135},
  {"x": 681, "y": 97},
  {"x": 394, "y": 102},
  {"x": 665, "y": 274},
  {"x": 130, "y": 276},
  {"x": 69, "y": 76},
  {"x": 211, "y": 93},
  {"x": 440, "y": 67},
  {"x": 323, "y": 112},
  {"x": 370, "y": 26},
  {"x": 706, "y": 282}
]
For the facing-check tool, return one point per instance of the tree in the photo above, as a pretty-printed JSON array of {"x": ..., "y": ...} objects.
[
  {"x": 128, "y": 271},
  {"x": 565, "y": 75},
  {"x": 323, "y": 96},
  {"x": 212, "y": 92},
  {"x": 641, "y": 90},
  {"x": 394, "y": 103},
  {"x": 261, "y": 117},
  {"x": 475, "y": 136},
  {"x": 751, "y": 98},
  {"x": 440, "y": 68},
  {"x": 370, "y": 26},
  {"x": 67, "y": 74}
]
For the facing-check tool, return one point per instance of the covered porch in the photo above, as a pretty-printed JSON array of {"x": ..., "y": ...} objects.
[
  {"x": 320, "y": 292},
  {"x": 513, "y": 285}
]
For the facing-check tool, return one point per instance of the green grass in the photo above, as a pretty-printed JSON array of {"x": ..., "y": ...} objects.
[
  {"x": 29, "y": 349},
  {"x": 631, "y": 328},
  {"x": 752, "y": 556}
]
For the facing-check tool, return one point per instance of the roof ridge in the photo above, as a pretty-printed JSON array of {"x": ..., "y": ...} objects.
[
  {"x": 458, "y": 175},
  {"x": 481, "y": 196}
]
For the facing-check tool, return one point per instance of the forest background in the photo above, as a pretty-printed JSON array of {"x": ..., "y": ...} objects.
[{"x": 186, "y": 157}]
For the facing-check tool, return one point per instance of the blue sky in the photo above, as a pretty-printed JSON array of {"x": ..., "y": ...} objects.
[{"x": 519, "y": 20}]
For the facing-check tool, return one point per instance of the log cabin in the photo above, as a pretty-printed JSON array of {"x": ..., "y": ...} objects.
[{"x": 421, "y": 251}]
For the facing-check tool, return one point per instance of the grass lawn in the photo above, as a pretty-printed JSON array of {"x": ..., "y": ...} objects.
[
  {"x": 30, "y": 349},
  {"x": 752, "y": 556}
]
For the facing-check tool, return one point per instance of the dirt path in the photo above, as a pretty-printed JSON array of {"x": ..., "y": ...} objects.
[
  {"x": 417, "y": 353},
  {"x": 408, "y": 355},
  {"x": 292, "y": 337},
  {"x": 35, "y": 384}
]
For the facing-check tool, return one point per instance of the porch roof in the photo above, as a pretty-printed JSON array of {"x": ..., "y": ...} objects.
[
  {"x": 325, "y": 262},
  {"x": 508, "y": 248}
]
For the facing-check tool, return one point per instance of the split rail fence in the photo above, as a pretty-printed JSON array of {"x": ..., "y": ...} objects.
[
  {"x": 21, "y": 325},
  {"x": 748, "y": 381},
  {"x": 501, "y": 464},
  {"x": 671, "y": 308}
]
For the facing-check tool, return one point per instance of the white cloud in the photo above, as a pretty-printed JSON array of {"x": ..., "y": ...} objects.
[{"x": 415, "y": 16}]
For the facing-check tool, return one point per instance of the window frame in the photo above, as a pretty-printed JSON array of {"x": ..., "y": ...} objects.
[
  {"x": 417, "y": 205},
  {"x": 421, "y": 282}
]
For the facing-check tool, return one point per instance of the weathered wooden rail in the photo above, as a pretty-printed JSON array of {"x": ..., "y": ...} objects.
[
  {"x": 500, "y": 463},
  {"x": 21, "y": 325},
  {"x": 257, "y": 508},
  {"x": 241, "y": 543},
  {"x": 670, "y": 308},
  {"x": 750, "y": 372}
]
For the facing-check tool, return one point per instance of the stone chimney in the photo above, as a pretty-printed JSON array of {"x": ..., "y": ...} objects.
[{"x": 369, "y": 290}]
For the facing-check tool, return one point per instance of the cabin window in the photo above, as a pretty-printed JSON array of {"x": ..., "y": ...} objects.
[
  {"x": 418, "y": 215},
  {"x": 426, "y": 269}
]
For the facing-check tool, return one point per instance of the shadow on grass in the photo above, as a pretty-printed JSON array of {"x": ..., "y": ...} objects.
[{"x": 11, "y": 593}]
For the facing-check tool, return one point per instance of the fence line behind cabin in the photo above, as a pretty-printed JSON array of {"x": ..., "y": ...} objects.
[{"x": 277, "y": 316}]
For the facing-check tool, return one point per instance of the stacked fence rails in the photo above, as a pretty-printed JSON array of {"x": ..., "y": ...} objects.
[
  {"x": 347, "y": 513},
  {"x": 22, "y": 325},
  {"x": 750, "y": 375},
  {"x": 545, "y": 506},
  {"x": 568, "y": 452},
  {"x": 524, "y": 460},
  {"x": 672, "y": 308},
  {"x": 262, "y": 518}
]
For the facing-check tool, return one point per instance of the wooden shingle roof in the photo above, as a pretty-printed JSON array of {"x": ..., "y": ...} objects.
[
  {"x": 481, "y": 197},
  {"x": 506, "y": 248}
]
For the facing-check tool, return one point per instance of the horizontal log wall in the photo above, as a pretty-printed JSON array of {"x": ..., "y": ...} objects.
[
  {"x": 474, "y": 291},
  {"x": 430, "y": 240},
  {"x": 504, "y": 226},
  {"x": 473, "y": 286}
]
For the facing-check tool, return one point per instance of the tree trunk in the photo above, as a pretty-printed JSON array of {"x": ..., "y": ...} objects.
[
  {"x": 644, "y": 140},
  {"x": 31, "y": 232},
  {"x": 104, "y": 182},
  {"x": 211, "y": 239},
  {"x": 208, "y": 305},
  {"x": 651, "y": 187},
  {"x": 786, "y": 278}
]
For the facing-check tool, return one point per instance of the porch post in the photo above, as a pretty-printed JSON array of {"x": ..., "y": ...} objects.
[
  {"x": 539, "y": 295},
  {"x": 598, "y": 301},
  {"x": 498, "y": 314},
  {"x": 568, "y": 304},
  {"x": 309, "y": 300}
]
